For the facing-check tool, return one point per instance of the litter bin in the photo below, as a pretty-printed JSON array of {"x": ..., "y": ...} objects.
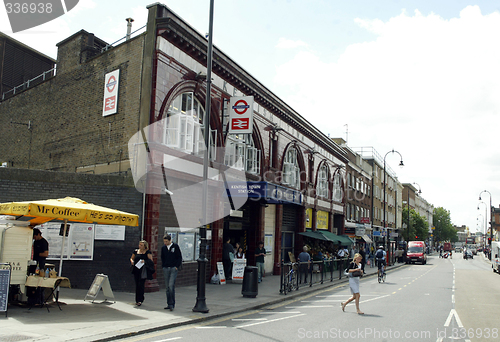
[{"x": 250, "y": 287}]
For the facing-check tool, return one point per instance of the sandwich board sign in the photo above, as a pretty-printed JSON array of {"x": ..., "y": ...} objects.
[
  {"x": 101, "y": 281},
  {"x": 220, "y": 270},
  {"x": 241, "y": 115}
]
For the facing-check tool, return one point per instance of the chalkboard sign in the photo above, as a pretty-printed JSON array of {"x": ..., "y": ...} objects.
[{"x": 4, "y": 287}]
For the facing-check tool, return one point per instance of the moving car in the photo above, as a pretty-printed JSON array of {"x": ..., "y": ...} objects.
[{"x": 416, "y": 252}]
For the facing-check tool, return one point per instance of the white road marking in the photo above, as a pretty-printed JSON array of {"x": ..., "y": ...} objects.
[
  {"x": 170, "y": 339},
  {"x": 213, "y": 327},
  {"x": 450, "y": 316},
  {"x": 279, "y": 312},
  {"x": 248, "y": 319},
  {"x": 269, "y": 321}
]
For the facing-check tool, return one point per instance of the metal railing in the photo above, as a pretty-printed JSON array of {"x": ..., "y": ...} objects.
[
  {"x": 316, "y": 272},
  {"x": 34, "y": 81}
]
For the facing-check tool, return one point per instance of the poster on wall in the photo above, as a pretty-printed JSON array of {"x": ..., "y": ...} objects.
[
  {"x": 79, "y": 245},
  {"x": 109, "y": 232},
  {"x": 81, "y": 241},
  {"x": 268, "y": 243},
  {"x": 50, "y": 231}
]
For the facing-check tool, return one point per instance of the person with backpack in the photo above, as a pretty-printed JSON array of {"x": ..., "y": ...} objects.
[{"x": 380, "y": 258}]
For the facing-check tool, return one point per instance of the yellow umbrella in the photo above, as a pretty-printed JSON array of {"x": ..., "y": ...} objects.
[{"x": 68, "y": 208}]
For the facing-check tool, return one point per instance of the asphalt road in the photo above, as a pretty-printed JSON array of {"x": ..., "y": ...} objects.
[{"x": 445, "y": 300}]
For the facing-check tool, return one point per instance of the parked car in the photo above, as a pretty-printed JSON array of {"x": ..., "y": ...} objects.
[{"x": 458, "y": 249}]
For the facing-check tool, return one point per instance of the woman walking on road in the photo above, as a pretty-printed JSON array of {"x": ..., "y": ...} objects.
[{"x": 355, "y": 272}]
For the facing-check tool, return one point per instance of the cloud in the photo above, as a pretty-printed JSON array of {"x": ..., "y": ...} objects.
[
  {"x": 425, "y": 85},
  {"x": 284, "y": 43}
]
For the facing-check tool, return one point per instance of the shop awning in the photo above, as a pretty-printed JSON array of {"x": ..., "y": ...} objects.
[
  {"x": 314, "y": 235},
  {"x": 367, "y": 239},
  {"x": 331, "y": 236},
  {"x": 345, "y": 240}
]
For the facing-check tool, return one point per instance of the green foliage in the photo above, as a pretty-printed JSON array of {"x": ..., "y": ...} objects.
[
  {"x": 444, "y": 230},
  {"x": 419, "y": 227}
]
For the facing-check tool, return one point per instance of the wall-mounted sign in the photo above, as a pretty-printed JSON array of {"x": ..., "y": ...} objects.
[
  {"x": 111, "y": 83},
  {"x": 309, "y": 218},
  {"x": 241, "y": 115},
  {"x": 321, "y": 219}
]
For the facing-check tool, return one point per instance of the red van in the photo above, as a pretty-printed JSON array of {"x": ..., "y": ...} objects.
[{"x": 416, "y": 252}]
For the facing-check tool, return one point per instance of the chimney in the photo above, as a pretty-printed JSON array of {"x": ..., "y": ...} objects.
[{"x": 129, "y": 26}]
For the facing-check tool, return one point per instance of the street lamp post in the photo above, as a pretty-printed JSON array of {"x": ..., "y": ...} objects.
[
  {"x": 491, "y": 226},
  {"x": 387, "y": 238},
  {"x": 201, "y": 305},
  {"x": 416, "y": 194},
  {"x": 485, "y": 216}
]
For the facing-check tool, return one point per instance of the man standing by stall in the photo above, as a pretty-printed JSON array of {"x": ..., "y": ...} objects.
[{"x": 40, "y": 249}]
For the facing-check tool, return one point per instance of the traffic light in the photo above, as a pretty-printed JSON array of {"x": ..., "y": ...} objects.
[{"x": 489, "y": 241}]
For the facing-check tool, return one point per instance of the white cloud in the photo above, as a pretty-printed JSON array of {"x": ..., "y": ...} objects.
[
  {"x": 284, "y": 43},
  {"x": 426, "y": 86}
]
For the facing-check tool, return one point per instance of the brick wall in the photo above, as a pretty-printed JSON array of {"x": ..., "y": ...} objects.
[{"x": 66, "y": 111}]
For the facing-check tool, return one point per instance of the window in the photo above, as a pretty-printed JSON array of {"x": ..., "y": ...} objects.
[
  {"x": 322, "y": 186},
  {"x": 291, "y": 169},
  {"x": 184, "y": 129},
  {"x": 337, "y": 191},
  {"x": 241, "y": 153}
]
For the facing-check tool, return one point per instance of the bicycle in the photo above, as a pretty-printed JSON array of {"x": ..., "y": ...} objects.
[
  {"x": 381, "y": 274},
  {"x": 290, "y": 281}
]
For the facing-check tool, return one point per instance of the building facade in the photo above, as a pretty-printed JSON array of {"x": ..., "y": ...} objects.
[{"x": 292, "y": 174}]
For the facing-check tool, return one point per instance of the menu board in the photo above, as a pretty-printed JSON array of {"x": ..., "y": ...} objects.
[
  {"x": 4, "y": 289},
  {"x": 109, "y": 232}
]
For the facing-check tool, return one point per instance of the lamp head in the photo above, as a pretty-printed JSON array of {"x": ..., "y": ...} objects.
[
  {"x": 479, "y": 197},
  {"x": 401, "y": 163}
]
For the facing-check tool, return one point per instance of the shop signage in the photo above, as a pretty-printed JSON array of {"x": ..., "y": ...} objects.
[
  {"x": 272, "y": 193},
  {"x": 360, "y": 230},
  {"x": 241, "y": 115},
  {"x": 365, "y": 220},
  {"x": 321, "y": 219},
  {"x": 309, "y": 217}
]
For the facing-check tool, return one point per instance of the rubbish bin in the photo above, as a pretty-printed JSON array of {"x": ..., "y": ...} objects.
[{"x": 250, "y": 287}]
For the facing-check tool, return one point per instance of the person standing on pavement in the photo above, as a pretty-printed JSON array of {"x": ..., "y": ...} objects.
[
  {"x": 171, "y": 260},
  {"x": 138, "y": 261},
  {"x": 227, "y": 262},
  {"x": 260, "y": 253},
  {"x": 305, "y": 263},
  {"x": 354, "y": 266},
  {"x": 363, "y": 255}
]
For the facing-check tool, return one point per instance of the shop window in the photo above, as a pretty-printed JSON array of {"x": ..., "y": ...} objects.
[
  {"x": 322, "y": 186},
  {"x": 184, "y": 129},
  {"x": 291, "y": 169},
  {"x": 241, "y": 153}
]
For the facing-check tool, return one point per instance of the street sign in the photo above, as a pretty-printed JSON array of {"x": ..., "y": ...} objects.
[
  {"x": 111, "y": 82},
  {"x": 240, "y": 115}
]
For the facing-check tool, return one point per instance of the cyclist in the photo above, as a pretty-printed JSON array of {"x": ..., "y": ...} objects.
[{"x": 380, "y": 258}]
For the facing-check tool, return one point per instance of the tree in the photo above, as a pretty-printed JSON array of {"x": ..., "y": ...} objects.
[
  {"x": 444, "y": 230},
  {"x": 419, "y": 227}
]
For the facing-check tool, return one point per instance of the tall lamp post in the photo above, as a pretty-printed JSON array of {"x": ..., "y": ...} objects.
[
  {"x": 485, "y": 217},
  {"x": 201, "y": 305},
  {"x": 491, "y": 225},
  {"x": 387, "y": 239},
  {"x": 416, "y": 194}
]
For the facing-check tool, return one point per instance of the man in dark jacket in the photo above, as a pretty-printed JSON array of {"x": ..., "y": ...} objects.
[{"x": 171, "y": 260}]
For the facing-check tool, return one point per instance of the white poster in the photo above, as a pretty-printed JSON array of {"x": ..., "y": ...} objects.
[
  {"x": 110, "y": 102},
  {"x": 268, "y": 243},
  {"x": 220, "y": 269},
  {"x": 50, "y": 231},
  {"x": 238, "y": 270},
  {"x": 78, "y": 245},
  {"x": 109, "y": 232},
  {"x": 82, "y": 241}
]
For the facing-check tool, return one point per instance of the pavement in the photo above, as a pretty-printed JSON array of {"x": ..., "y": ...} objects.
[{"x": 111, "y": 319}]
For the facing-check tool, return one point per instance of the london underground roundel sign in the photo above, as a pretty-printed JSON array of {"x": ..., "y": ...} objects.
[{"x": 240, "y": 114}]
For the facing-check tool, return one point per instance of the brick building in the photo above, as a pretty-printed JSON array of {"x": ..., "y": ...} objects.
[{"x": 297, "y": 172}]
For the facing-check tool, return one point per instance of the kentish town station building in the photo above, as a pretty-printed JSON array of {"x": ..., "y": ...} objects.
[{"x": 128, "y": 111}]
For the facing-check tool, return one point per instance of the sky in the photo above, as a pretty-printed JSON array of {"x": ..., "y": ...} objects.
[{"x": 420, "y": 77}]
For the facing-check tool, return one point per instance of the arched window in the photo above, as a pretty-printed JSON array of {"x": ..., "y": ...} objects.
[
  {"x": 291, "y": 169},
  {"x": 337, "y": 190},
  {"x": 184, "y": 129},
  {"x": 322, "y": 185},
  {"x": 241, "y": 153}
]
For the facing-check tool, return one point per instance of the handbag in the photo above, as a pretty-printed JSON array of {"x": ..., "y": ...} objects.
[
  {"x": 356, "y": 274},
  {"x": 144, "y": 272}
]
